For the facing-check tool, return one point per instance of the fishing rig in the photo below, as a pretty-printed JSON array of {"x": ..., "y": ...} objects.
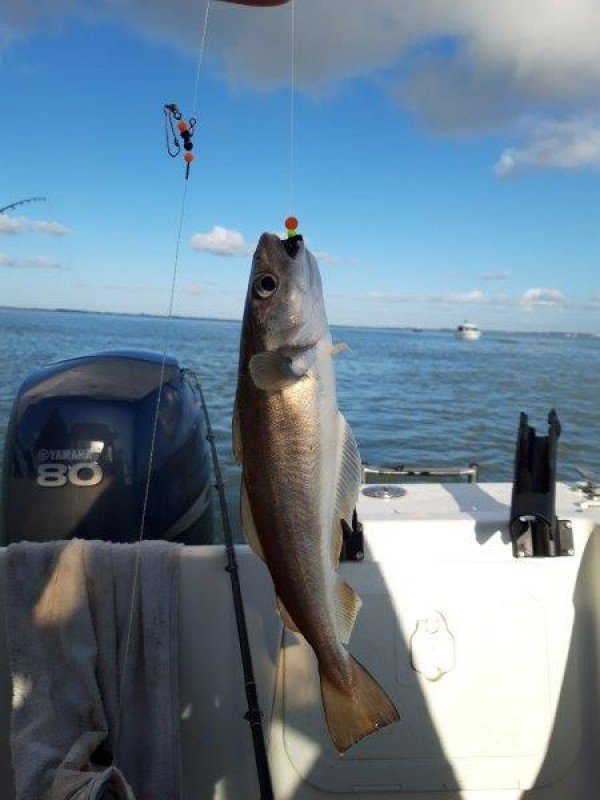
[
  {"x": 179, "y": 132},
  {"x": 185, "y": 132},
  {"x": 179, "y": 135}
]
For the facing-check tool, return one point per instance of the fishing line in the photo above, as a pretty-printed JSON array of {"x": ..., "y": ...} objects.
[
  {"x": 292, "y": 120},
  {"x": 166, "y": 345},
  {"x": 169, "y": 320},
  {"x": 200, "y": 58},
  {"x": 254, "y": 715},
  {"x": 136, "y": 573},
  {"x": 167, "y": 342}
]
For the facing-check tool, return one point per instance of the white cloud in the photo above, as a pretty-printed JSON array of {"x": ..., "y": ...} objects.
[
  {"x": 466, "y": 297},
  {"x": 476, "y": 297},
  {"x": 541, "y": 297},
  {"x": 457, "y": 65},
  {"x": 504, "y": 59},
  {"x": 496, "y": 276},
  {"x": 120, "y": 288},
  {"x": 197, "y": 288},
  {"x": 501, "y": 299},
  {"x": 13, "y": 225},
  {"x": 53, "y": 228},
  {"x": 530, "y": 299},
  {"x": 571, "y": 145},
  {"x": 9, "y": 225},
  {"x": 326, "y": 258},
  {"x": 591, "y": 304},
  {"x": 37, "y": 262},
  {"x": 221, "y": 242},
  {"x": 384, "y": 297}
]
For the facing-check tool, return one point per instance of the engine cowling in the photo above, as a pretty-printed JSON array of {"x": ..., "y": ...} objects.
[{"x": 78, "y": 450}]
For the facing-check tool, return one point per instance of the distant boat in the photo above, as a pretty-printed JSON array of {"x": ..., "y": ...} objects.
[{"x": 468, "y": 331}]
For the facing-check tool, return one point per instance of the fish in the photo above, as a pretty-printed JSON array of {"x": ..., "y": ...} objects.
[{"x": 301, "y": 474}]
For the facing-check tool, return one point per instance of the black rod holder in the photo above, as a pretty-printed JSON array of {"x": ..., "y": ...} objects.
[{"x": 534, "y": 528}]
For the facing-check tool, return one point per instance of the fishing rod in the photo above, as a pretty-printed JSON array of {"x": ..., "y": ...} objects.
[
  {"x": 22, "y": 203},
  {"x": 254, "y": 714}
]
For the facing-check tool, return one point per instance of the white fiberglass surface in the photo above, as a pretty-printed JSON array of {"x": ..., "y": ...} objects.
[
  {"x": 506, "y": 705},
  {"x": 493, "y": 662}
]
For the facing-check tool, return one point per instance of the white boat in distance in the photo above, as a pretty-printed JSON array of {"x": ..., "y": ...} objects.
[{"x": 468, "y": 331}]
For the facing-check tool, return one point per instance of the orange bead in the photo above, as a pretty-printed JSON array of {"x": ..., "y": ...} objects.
[
  {"x": 291, "y": 223},
  {"x": 188, "y": 157},
  {"x": 182, "y": 126}
]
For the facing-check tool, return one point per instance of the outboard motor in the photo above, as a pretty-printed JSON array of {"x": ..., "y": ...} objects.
[{"x": 78, "y": 450}]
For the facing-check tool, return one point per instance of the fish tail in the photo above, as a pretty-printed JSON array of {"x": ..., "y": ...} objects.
[{"x": 358, "y": 710}]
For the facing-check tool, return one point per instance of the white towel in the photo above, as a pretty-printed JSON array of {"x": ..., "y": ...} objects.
[{"x": 90, "y": 720}]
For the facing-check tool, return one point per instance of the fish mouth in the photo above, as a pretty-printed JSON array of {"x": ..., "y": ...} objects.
[
  {"x": 271, "y": 246},
  {"x": 292, "y": 245}
]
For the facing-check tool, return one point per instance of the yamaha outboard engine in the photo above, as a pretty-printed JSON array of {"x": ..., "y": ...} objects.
[{"x": 78, "y": 449}]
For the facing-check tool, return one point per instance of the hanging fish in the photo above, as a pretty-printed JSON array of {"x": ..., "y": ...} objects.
[{"x": 301, "y": 475}]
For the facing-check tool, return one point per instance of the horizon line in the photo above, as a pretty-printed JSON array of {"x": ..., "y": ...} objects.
[{"x": 414, "y": 328}]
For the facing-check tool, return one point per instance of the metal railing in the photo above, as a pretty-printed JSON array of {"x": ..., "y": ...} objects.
[{"x": 469, "y": 472}]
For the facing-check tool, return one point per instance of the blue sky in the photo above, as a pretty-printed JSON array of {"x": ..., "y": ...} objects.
[{"x": 446, "y": 163}]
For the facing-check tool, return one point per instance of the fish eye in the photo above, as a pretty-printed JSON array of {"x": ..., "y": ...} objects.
[{"x": 265, "y": 285}]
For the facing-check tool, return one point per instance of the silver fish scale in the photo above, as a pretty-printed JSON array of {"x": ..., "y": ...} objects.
[{"x": 286, "y": 491}]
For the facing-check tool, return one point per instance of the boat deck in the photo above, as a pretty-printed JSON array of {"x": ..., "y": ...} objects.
[{"x": 493, "y": 661}]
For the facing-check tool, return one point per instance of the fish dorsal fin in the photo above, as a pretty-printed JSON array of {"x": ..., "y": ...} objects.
[
  {"x": 236, "y": 434},
  {"x": 286, "y": 617},
  {"x": 248, "y": 526},
  {"x": 348, "y": 604},
  {"x": 347, "y": 485},
  {"x": 272, "y": 372}
]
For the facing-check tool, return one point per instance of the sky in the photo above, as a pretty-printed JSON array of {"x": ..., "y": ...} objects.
[{"x": 443, "y": 159}]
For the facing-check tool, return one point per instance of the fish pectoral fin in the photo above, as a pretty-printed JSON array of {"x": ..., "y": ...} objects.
[
  {"x": 302, "y": 363},
  {"x": 236, "y": 434},
  {"x": 348, "y": 604},
  {"x": 272, "y": 372},
  {"x": 339, "y": 347},
  {"x": 248, "y": 526},
  {"x": 286, "y": 616}
]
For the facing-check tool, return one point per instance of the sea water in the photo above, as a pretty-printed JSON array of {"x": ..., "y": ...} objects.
[{"x": 423, "y": 398}]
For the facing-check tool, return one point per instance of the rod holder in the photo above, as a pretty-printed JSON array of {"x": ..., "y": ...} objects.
[{"x": 534, "y": 528}]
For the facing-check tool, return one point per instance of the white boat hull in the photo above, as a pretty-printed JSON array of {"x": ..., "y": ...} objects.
[
  {"x": 504, "y": 707},
  {"x": 468, "y": 335}
]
